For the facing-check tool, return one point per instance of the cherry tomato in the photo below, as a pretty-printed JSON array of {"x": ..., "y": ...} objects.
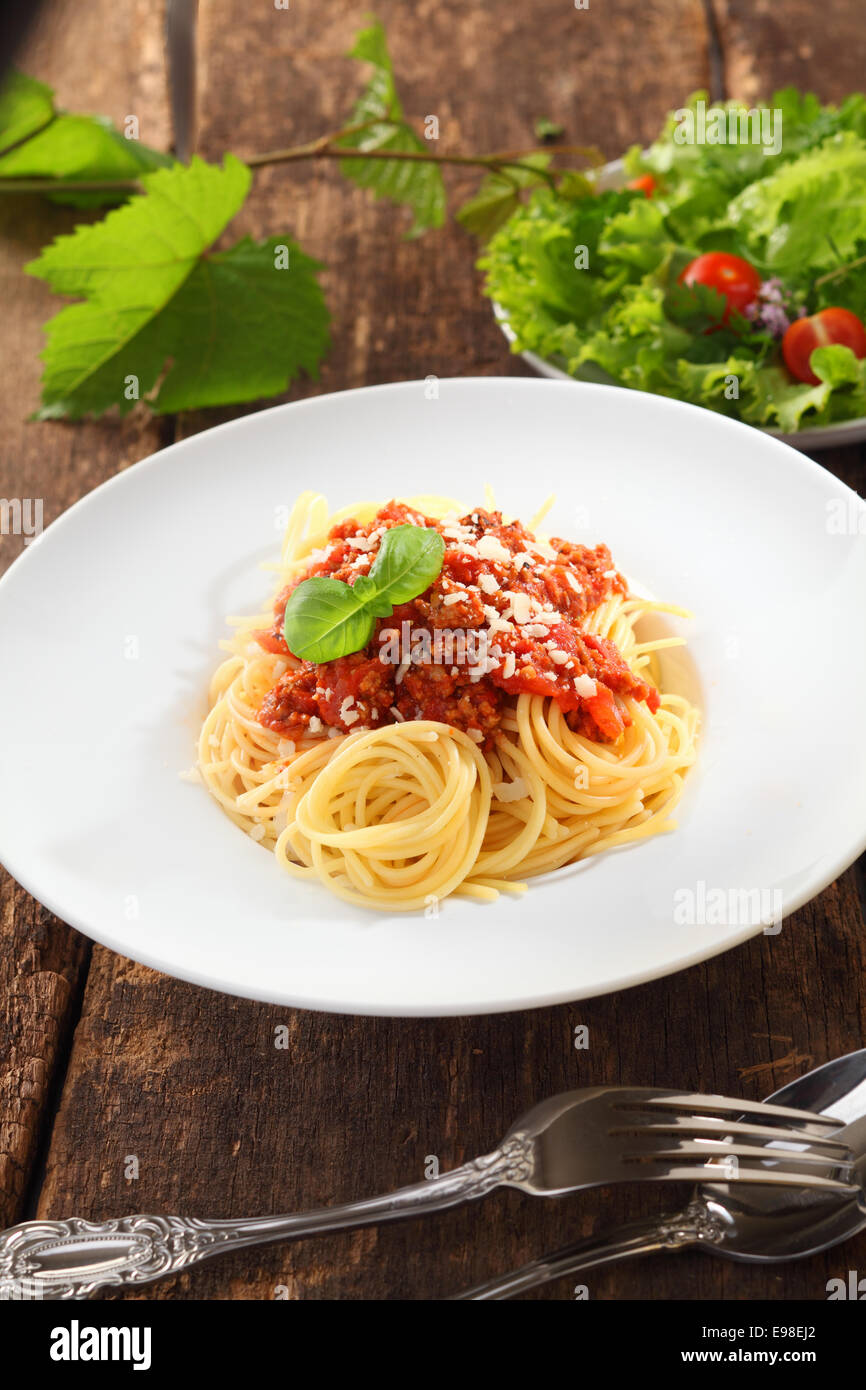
[
  {"x": 644, "y": 183},
  {"x": 734, "y": 278},
  {"x": 827, "y": 326}
]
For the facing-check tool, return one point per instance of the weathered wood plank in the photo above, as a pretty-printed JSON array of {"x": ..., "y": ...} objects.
[
  {"x": 42, "y": 962},
  {"x": 768, "y": 45},
  {"x": 401, "y": 309},
  {"x": 223, "y": 1122}
]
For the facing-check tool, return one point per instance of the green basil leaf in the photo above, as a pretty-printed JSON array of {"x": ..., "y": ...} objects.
[
  {"x": 367, "y": 591},
  {"x": 409, "y": 559},
  {"x": 326, "y": 619}
]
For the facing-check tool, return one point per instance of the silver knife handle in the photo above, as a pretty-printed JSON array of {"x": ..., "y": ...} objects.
[{"x": 72, "y": 1258}]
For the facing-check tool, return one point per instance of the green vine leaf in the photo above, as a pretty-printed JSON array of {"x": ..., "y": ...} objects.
[
  {"x": 212, "y": 328},
  {"x": 25, "y": 107},
  {"x": 39, "y": 142},
  {"x": 418, "y": 185},
  {"x": 499, "y": 196}
]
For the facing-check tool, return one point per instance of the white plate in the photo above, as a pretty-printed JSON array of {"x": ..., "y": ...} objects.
[
  {"x": 109, "y": 627},
  {"x": 817, "y": 437}
]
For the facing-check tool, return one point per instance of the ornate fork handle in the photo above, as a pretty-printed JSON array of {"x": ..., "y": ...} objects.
[
  {"x": 72, "y": 1258},
  {"x": 692, "y": 1227}
]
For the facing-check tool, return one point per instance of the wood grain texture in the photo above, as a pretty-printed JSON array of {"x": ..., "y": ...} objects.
[
  {"x": 42, "y": 962},
  {"x": 767, "y": 45},
  {"x": 189, "y": 1083},
  {"x": 224, "y": 1123}
]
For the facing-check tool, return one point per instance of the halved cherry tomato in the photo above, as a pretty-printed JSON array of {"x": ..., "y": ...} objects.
[
  {"x": 827, "y": 326},
  {"x": 734, "y": 278},
  {"x": 644, "y": 183}
]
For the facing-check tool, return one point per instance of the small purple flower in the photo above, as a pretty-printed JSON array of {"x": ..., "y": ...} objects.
[
  {"x": 775, "y": 320},
  {"x": 773, "y": 308},
  {"x": 773, "y": 291}
]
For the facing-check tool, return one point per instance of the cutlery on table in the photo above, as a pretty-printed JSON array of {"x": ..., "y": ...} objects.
[
  {"x": 574, "y": 1140},
  {"x": 750, "y": 1223}
]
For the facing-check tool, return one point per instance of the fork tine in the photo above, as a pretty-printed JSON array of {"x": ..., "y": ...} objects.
[
  {"x": 720, "y": 1149},
  {"x": 682, "y": 1101},
  {"x": 715, "y": 1126},
  {"x": 760, "y": 1177}
]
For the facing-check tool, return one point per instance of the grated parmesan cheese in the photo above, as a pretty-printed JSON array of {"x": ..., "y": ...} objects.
[
  {"x": 348, "y": 713},
  {"x": 489, "y": 548},
  {"x": 495, "y": 620},
  {"x": 521, "y": 607},
  {"x": 546, "y": 550}
]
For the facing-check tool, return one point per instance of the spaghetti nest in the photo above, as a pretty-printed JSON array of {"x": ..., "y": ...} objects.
[{"x": 400, "y": 816}]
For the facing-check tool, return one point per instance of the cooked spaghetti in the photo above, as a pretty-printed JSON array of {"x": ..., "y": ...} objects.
[{"x": 502, "y": 724}]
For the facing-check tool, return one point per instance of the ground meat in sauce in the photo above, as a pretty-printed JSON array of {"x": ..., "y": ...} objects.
[
  {"x": 365, "y": 682},
  {"x": 563, "y": 583},
  {"x": 431, "y": 692},
  {"x": 291, "y": 701}
]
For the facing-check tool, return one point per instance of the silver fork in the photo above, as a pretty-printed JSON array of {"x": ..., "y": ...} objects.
[{"x": 575, "y": 1140}]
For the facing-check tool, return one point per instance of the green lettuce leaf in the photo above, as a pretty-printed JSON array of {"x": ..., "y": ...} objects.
[
  {"x": 799, "y": 214},
  {"x": 810, "y": 212}
]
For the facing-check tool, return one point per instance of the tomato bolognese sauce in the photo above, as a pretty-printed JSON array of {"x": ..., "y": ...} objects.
[{"x": 502, "y": 722}]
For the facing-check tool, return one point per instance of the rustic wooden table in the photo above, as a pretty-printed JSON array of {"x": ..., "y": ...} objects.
[{"x": 103, "y": 1059}]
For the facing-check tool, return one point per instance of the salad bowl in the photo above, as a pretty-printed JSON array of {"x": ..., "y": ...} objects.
[{"x": 806, "y": 134}]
